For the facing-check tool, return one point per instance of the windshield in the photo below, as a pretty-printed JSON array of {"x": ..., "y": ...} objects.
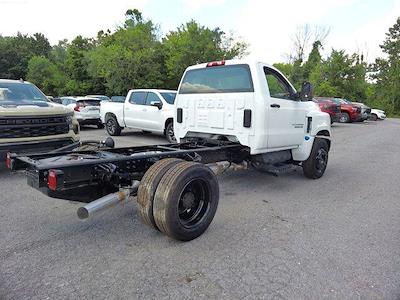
[
  {"x": 169, "y": 97},
  {"x": 18, "y": 93},
  {"x": 101, "y": 97},
  {"x": 118, "y": 98},
  {"x": 339, "y": 101},
  {"x": 88, "y": 102}
]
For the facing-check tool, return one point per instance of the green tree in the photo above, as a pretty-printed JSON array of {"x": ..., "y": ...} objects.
[
  {"x": 387, "y": 72},
  {"x": 341, "y": 75},
  {"x": 131, "y": 57},
  {"x": 58, "y": 53},
  {"x": 192, "y": 43},
  {"x": 44, "y": 73},
  {"x": 285, "y": 68},
  {"x": 16, "y": 51},
  {"x": 313, "y": 61},
  {"x": 80, "y": 82}
]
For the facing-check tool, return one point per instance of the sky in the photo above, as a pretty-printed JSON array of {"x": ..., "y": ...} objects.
[{"x": 268, "y": 26}]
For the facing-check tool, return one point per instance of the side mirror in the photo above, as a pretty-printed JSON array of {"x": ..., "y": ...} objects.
[
  {"x": 307, "y": 92},
  {"x": 157, "y": 104}
]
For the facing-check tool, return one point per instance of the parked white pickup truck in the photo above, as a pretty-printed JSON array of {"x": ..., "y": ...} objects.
[{"x": 145, "y": 109}]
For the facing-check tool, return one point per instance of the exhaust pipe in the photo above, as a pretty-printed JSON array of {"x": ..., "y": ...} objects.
[{"x": 105, "y": 202}]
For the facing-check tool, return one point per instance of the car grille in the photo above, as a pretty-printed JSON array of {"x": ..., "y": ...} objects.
[{"x": 23, "y": 127}]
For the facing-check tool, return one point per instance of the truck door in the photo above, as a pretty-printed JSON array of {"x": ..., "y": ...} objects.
[
  {"x": 133, "y": 110},
  {"x": 151, "y": 115},
  {"x": 286, "y": 116}
]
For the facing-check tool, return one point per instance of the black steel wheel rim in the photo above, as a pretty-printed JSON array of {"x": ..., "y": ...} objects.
[
  {"x": 321, "y": 159},
  {"x": 111, "y": 126},
  {"x": 194, "y": 203}
]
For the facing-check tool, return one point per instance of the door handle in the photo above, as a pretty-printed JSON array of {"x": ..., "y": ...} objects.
[{"x": 275, "y": 105}]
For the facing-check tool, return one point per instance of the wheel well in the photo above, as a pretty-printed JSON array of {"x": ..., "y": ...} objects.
[
  {"x": 325, "y": 133},
  {"x": 109, "y": 115},
  {"x": 169, "y": 120}
]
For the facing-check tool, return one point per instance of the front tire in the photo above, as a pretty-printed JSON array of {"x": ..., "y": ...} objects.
[
  {"x": 113, "y": 127},
  {"x": 169, "y": 133},
  {"x": 374, "y": 117},
  {"x": 186, "y": 201},
  {"x": 315, "y": 165}
]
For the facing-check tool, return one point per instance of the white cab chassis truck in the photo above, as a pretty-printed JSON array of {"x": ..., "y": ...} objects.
[
  {"x": 228, "y": 114},
  {"x": 253, "y": 104}
]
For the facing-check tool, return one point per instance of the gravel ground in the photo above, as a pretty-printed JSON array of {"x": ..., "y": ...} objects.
[{"x": 283, "y": 237}]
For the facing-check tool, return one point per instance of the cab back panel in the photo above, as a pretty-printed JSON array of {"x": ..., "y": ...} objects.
[{"x": 215, "y": 113}]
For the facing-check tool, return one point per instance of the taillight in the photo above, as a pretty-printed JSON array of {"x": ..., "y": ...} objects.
[
  {"x": 79, "y": 106},
  {"x": 216, "y": 63},
  {"x": 8, "y": 161},
  {"x": 55, "y": 179}
]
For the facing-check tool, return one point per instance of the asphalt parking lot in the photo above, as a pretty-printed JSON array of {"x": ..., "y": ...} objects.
[{"x": 283, "y": 237}]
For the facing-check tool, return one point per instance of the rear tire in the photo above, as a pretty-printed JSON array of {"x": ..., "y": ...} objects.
[
  {"x": 315, "y": 165},
  {"x": 186, "y": 201},
  {"x": 113, "y": 127},
  {"x": 344, "y": 118},
  {"x": 148, "y": 186}
]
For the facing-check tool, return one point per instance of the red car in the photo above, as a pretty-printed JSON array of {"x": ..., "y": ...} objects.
[
  {"x": 330, "y": 107},
  {"x": 349, "y": 112}
]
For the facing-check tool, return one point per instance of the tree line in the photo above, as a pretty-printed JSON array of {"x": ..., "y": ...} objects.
[{"x": 135, "y": 55}]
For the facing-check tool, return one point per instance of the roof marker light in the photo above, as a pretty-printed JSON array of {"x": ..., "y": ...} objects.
[{"x": 216, "y": 63}]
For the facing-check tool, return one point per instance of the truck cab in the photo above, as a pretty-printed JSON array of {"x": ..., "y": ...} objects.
[{"x": 251, "y": 103}]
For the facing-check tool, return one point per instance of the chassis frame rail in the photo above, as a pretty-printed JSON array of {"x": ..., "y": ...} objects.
[{"x": 87, "y": 175}]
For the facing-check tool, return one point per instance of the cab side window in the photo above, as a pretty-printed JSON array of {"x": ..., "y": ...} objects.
[
  {"x": 152, "y": 97},
  {"x": 278, "y": 87},
  {"x": 138, "y": 98}
]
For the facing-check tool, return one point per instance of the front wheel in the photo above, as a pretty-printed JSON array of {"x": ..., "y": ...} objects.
[
  {"x": 315, "y": 165},
  {"x": 374, "y": 117}
]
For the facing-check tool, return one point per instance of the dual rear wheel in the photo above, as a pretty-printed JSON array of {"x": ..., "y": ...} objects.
[{"x": 178, "y": 198}]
